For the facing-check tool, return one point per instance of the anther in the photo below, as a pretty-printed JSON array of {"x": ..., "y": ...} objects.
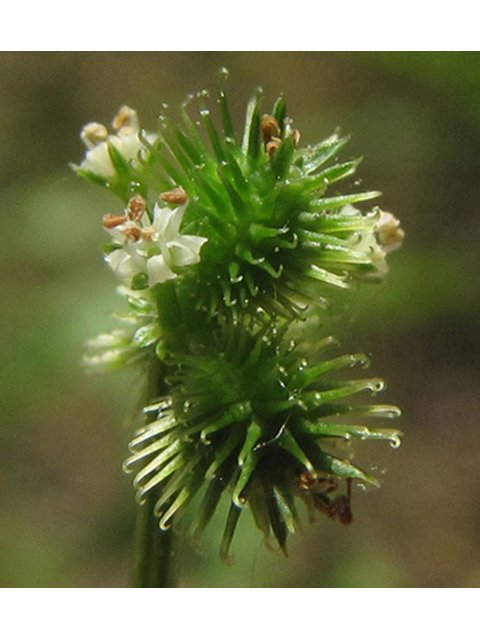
[
  {"x": 389, "y": 232},
  {"x": 136, "y": 208},
  {"x": 132, "y": 233},
  {"x": 296, "y": 137},
  {"x": 273, "y": 146},
  {"x": 175, "y": 196},
  {"x": 93, "y": 133},
  {"x": 126, "y": 121},
  {"x": 148, "y": 233},
  {"x": 110, "y": 221},
  {"x": 270, "y": 128}
]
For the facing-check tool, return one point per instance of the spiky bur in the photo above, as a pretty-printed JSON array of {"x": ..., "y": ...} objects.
[{"x": 225, "y": 245}]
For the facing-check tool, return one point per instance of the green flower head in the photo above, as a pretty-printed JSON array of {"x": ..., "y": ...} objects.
[{"x": 226, "y": 245}]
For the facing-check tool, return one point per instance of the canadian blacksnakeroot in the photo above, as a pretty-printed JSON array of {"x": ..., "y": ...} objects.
[{"x": 226, "y": 247}]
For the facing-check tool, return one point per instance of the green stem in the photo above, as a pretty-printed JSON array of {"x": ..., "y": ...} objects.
[
  {"x": 154, "y": 550},
  {"x": 154, "y": 547}
]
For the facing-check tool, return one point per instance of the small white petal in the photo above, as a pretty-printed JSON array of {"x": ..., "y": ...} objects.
[
  {"x": 168, "y": 221},
  {"x": 158, "y": 271},
  {"x": 349, "y": 210},
  {"x": 98, "y": 161},
  {"x": 125, "y": 264},
  {"x": 185, "y": 250}
]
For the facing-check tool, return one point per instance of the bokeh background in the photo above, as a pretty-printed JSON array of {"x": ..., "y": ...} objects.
[{"x": 66, "y": 509}]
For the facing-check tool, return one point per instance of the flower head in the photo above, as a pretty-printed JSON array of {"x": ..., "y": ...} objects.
[
  {"x": 157, "y": 249},
  {"x": 108, "y": 155},
  {"x": 244, "y": 406}
]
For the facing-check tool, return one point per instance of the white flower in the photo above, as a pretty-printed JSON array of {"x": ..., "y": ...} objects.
[
  {"x": 126, "y": 140},
  {"x": 156, "y": 249},
  {"x": 176, "y": 250},
  {"x": 127, "y": 262},
  {"x": 379, "y": 237},
  {"x": 389, "y": 232}
]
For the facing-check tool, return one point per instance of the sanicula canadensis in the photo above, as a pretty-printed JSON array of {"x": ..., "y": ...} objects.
[{"x": 226, "y": 248}]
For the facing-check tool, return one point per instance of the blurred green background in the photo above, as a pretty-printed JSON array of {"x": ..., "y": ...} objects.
[{"x": 66, "y": 508}]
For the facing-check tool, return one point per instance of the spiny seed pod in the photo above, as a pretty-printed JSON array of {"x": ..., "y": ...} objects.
[{"x": 249, "y": 415}]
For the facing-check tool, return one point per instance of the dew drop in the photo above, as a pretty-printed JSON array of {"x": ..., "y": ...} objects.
[{"x": 223, "y": 73}]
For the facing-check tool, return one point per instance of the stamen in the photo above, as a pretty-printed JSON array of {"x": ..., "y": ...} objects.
[
  {"x": 126, "y": 121},
  {"x": 270, "y": 128},
  {"x": 296, "y": 137},
  {"x": 273, "y": 146},
  {"x": 110, "y": 221},
  {"x": 389, "y": 232},
  {"x": 93, "y": 133},
  {"x": 148, "y": 233},
  {"x": 175, "y": 196},
  {"x": 136, "y": 208},
  {"x": 133, "y": 233}
]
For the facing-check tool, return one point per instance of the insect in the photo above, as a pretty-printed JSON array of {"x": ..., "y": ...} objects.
[{"x": 320, "y": 492}]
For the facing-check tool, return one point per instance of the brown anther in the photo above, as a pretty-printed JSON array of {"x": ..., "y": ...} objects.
[
  {"x": 136, "y": 208},
  {"x": 273, "y": 146},
  {"x": 148, "y": 233},
  {"x": 110, "y": 221},
  {"x": 126, "y": 117},
  {"x": 93, "y": 133},
  {"x": 389, "y": 232},
  {"x": 132, "y": 233},
  {"x": 270, "y": 128},
  {"x": 126, "y": 131},
  {"x": 296, "y": 137},
  {"x": 175, "y": 196}
]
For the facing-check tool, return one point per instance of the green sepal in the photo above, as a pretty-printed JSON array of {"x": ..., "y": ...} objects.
[
  {"x": 328, "y": 429},
  {"x": 232, "y": 521},
  {"x": 246, "y": 472},
  {"x": 146, "y": 335},
  {"x": 320, "y": 153},
  {"x": 254, "y": 433},
  {"x": 110, "y": 247},
  {"x": 279, "y": 112},
  {"x": 121, "y": 165},
  {"x": 343, "y": 469},
  {"x": 288, "y": 442},
  {"x": 251, "y": 144},
  {"x": 139, "y": 282},
  {"x": 282, "y": 159},
  {"x": 90, "y": 176}
]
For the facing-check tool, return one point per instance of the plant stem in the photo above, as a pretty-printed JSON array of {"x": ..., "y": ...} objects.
[{"x": 154, "y": 547}]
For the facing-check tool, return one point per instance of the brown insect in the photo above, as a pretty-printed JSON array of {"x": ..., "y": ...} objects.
[{"x": 319, "y": 492}]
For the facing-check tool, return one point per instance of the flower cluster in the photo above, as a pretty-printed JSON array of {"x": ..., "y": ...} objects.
[
  {"x": 150, "y": 251},
  {"x": 225, "y": 245}
]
